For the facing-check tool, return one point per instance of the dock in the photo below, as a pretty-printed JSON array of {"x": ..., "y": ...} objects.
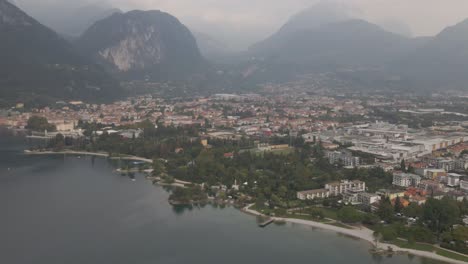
[{"x": 266, "y": 222}]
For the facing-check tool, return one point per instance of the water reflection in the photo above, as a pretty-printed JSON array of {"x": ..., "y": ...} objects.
[{"x": 78, "y": 212}]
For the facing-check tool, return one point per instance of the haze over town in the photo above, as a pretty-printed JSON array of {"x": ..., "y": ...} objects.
[
  {"x": 174, "y": 131},
  {"x": 241, "y": 23}
]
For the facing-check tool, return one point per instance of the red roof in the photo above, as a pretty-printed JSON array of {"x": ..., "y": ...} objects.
[{"x": 229, "y": 155}]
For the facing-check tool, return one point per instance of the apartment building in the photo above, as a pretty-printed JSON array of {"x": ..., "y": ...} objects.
[{"x": 406, "y": 179}]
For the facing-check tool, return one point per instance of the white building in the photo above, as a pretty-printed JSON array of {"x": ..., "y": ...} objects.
[
  {"x": 464, "y": 185},
  {"x": 341, "y": 187},
  {"x": 343, "y": 158},
  {"x": 453, "y": 179},
  {"x": 406, "y": 179},
  {"x": 313, "y": 194},
  {"x": 368, "y": 198},
  {"x": 334, "y": 189},
  {"x": 445, "y": 164}
]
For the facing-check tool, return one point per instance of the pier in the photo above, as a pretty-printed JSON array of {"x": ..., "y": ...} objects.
[{"x": 266, "y": 222}]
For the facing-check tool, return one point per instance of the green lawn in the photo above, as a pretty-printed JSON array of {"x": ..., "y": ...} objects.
[
  {"x": 275, "y": 151},
  {"x": 330, "y": 213},
  {"x": 415, "y": 246},
  {"x": 283, "y": 151},
  {"x": 429, "y": 248},
  {"x": 451, "y": 255},
  {"x": 306, "y": 217}
]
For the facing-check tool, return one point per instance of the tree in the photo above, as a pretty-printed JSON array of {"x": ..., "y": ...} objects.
[
  {"x": 349, "y": 215},
  {"x": 389, "y": 233},
  {"x": 159, "y": 168},
  {"x": 260, "y": 202},
  {"x": 39, "y": 124},
  {"x": 421, "y": 234},
  {"x": 460, "y": 234},
  {"x": 403, "y": 165},
  {"x": 441, "y": 215},
  {"x": 58, "y": 143},
  {"x": 398, "y": 205},
  {"x": 413, "y": 210},
  {"x": 316, "y": 213},
  {"x": 282, "y": 191},
  {"x": 370, "y": 219},
  {"x": 385, "y": 211}
]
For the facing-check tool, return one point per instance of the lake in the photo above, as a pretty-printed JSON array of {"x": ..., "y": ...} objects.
[{"x": 68, "y": 210}]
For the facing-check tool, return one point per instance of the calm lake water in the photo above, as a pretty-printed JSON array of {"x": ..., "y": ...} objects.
[{"x": 69, "y": 210}]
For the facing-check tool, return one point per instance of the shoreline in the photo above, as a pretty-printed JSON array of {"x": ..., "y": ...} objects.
[
  {"x": 363, "y": 233},
  {"x": 177, "y": 183},
  {"x": 85, "y": 153}
]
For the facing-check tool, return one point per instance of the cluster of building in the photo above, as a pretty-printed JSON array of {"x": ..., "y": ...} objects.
[
  {"x": 433, "y": 155},
  {"x": 344, "y": 158},
  {"x": 353, "y": 192},
  {"x": 247, "y": 115}
]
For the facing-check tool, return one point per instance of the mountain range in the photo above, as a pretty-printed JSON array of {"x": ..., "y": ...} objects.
[
  {"x": 37, "y": 62},
  {"x": 337, "y": 41},
  {"x": 441, "y": 62},
  {"x": 343, "y": 44},
  {"x": 309, "y": 19}
]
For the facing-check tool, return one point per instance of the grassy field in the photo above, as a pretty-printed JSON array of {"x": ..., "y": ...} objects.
[
  {"x": 415, "y": 246},
  {"x": 430, "y": 248},
  {"x": 451, "y": 255},
  {"x": 330, "y": 213}
]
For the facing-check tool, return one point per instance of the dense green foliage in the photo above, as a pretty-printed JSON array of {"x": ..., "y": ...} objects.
[
  {"x": 187, "y": 196},
  {"x": 39, "y": 124},
  {"x": 350, "y": 215},
  {"x": 437, "y": 223},
  {"x": 456, "y": 239},
  {"x": 441, "y": 215}
]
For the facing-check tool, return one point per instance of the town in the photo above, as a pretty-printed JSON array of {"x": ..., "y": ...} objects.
[{"x": 375, "y": 159}]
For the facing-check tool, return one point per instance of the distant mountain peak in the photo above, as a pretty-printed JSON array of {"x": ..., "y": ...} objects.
[
  {"x": 11, "y": 15},
  {"x": 36, "y": 61},
  {"x": 142, "y": 44},
  {"x": 320, "y": 14}
]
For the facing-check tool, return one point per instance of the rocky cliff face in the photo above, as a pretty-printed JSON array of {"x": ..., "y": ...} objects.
[
  {"x": 143, "y": 44},
  {"x": 140, "y": 49}
]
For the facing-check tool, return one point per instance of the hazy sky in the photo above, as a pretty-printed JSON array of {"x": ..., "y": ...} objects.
[{"x": 262, "y": 17}]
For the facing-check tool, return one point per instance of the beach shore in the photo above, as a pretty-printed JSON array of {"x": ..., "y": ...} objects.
[{"x": 362, "y": 233}]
